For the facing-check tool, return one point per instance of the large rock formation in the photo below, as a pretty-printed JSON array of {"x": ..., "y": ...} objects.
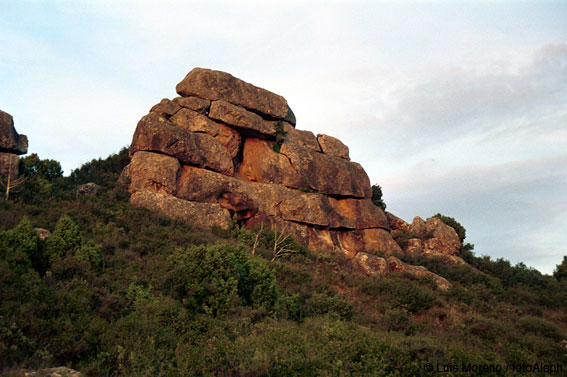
[
  {"x": 227, "y": 148},
  {"x": 11, "y": 145}
]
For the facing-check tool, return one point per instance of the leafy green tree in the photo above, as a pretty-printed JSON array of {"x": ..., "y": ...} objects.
[
  {"x": 102, "y": 172},
  {"x": 68, "y": 240},
  {"x": 560, "y": 272},
  {"x": 32, "y": 166},
  {"x": 215, "y": 278},
  {"x": 20, "y": 245},
  {"x": 377, "y": 197}
]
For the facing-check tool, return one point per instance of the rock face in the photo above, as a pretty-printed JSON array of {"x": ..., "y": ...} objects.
[
  {"x": 12, "y": 144},
  {"x": 227, "y": 148}
]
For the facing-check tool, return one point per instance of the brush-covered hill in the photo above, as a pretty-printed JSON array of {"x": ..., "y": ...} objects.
[{"x": 122, "y": 291}]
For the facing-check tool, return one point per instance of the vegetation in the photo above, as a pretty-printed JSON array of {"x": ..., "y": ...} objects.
[
  {"x": 121, "y": 291},
  {"x": 377, "y": 197}
]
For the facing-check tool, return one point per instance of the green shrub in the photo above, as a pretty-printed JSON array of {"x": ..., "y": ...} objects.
[
  {"x": 321, "y": 303},
  {"x": 540, "y": 326},
  {"x": 218, "y": 277}
]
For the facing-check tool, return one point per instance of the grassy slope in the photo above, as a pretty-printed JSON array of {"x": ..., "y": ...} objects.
[{"x": 155, "y": 297}]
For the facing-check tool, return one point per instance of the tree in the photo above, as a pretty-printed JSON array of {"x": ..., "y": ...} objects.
[
  {"x": 68, "y": 240},
  {"x": 11, "y": 182},
  {"x": 560, "y": 273},
  {"x": 377, "y": 197},
  {"x": 32, "y": 166}
]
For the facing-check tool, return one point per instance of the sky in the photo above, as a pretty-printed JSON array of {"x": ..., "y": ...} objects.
[{"x": 456, "y": 107}]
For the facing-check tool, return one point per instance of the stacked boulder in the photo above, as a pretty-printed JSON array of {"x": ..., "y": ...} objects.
[
  {"x": 11, "y": 146},
  {"x": 227, "y": 148}
]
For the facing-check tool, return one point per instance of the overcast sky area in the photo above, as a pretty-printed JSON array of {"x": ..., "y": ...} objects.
[{"x": 457, "y": 107}]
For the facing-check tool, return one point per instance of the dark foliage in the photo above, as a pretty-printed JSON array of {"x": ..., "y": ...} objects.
[{"x": 377, "y": 197}]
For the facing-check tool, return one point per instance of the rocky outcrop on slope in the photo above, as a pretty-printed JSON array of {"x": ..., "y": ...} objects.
[
  {"x": 227, "y": 148},
  {"x": 12, "y": 145},
  {"x": 431, "y": 237}
]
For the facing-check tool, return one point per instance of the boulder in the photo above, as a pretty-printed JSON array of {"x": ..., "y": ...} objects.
[
  {"x": 303, "y": 168},
  {"x": 396, "y": 265},
  {"x": 315, "y": 169},
  {"x": 372, "y": 241},
  {"x": 53, "y": 372},
  {"x": 165, "y": 108},
  {"x": 248, "y": 123},
  {"x": 90, "y": 188},
  {"x": 42, "y": 233},
  {"x": 10, "y": 140},
  {"x": 201, "y": 215},
  {"x": 396, "y": 223},
  {"x": 418, "y": 227},
  {"x": 217, "y": 85},
  {"x": 197, "y": 104},
  {"x": 197, "y": 122},
  {"x": 153, "y": 172},
  {"x": 333, "y": 146},
  {"x": 262, "y": 164},
  {"x": 448, "y": 241},
  {"x": 356, "y": 214},
  {"x": 156, "y": 134},
  {"x": 371, "y": 264},
  {"x": 303, "y": 139}
]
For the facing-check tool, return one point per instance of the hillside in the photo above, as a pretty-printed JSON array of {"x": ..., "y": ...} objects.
[{"x": 123, "y": 291}]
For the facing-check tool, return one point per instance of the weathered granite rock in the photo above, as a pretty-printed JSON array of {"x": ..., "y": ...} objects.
[
  {"x": 90, "y": 188},
  {"x": 153, "y": 172},
  {"x": 371, "y": 264},
  {"x": 247, "y": 122},
  {"x": 448, "y": 241},
  {"x": 156, "y": 134},
  {"x": 201, "y": 215},
  {"x": 53, "y": 372},
  {"x": 194, "y": 121},
  {"x": 333, "y": 146},
  {"x": 9, "y": 165},
  {"x": 42, "y": 233},
  {"x": 396, "y": 265},
  {"x": 356, "y": 214},
  {"x": 374, "y": 265},
  {"x": 10, "y": 140},
  {"x": 217, "y": 85},
  {"x": 396, "y": 223},
  {"x": 261, "y": 164},
  {"x": 302, "y": 138},
  {"x": 165, "y": 108},
  {"x": 303, "y": 168},
  {"x": 197, "y": 104},
  {"x": 348, "y": 178},
  {"x": 433, "y": 237},
  {"x": 373, "y": 240},
  {"x": 418, "y": 228}
]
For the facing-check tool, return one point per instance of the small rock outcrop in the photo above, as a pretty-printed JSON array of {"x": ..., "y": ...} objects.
[
  {"x": 431, "y": 237},
  {"x": 12, "y": 145},
  {"x": 227, "y": 148}
]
